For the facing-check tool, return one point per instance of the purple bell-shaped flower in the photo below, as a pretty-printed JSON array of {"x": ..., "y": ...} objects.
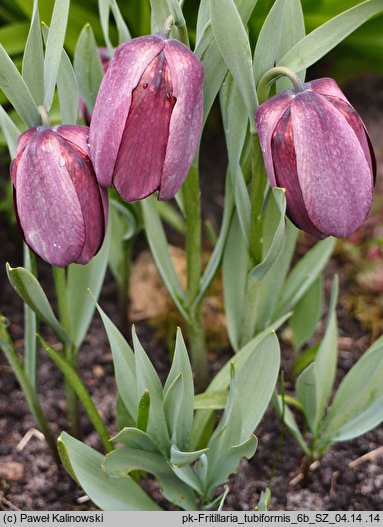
[
  {"x": 60, "y": 207},
  {"x": 146, "y": 123},
  {"x": 316, "y": 146}
]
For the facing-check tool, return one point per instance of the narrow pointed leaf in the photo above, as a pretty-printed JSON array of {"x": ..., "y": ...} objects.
[
  {"x": 320, "y": 41},
  {"x": 355, "y": 408},
  {"x": 17, "y": 92},
  {"x": 124, "y": 365},
  {"x": 54, "y": 48},
  {"x": 29, "y": 289},
  {"x": 304, "y": 274},
  {"x": 233, "y": 42},
  {"x": 277, "y": 244},
  {"x": 10, "y": 131},
  {"x": 181, "y": 416},
  {"x": 147, "y": 379},
  {"x": 81, "y": 280},
  {"x": 87, "y": 66},
  {"x": 307, "y": 313},
  {"x": 159, "y": 248},
  {"x": 33, "y": 58}
]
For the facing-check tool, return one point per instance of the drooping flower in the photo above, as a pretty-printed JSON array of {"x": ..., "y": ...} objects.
[
  {"x": 147, "y": 119},
  {"x": 316, "y": 146},
  {"x": 61, "y": 209}
]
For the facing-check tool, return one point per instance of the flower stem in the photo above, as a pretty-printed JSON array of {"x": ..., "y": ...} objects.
[
  {"x": 271, "y": 76},
  {"x": 192, "y": 205},
  {"x": 13, "y": 358},
  {"x": 70, "y": 351}
]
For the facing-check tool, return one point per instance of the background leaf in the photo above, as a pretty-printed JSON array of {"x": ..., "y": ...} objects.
[{"x": 53, "y": 49}]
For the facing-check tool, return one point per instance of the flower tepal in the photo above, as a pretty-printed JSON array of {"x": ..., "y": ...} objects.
[
  {"x": 60, "y": 207},
  {"x": 146, "y": 123},
  {"x": 316, "y": 146}
]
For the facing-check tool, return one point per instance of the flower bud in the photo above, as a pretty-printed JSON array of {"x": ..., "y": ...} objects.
[
  {"x": 316, "y": 146},
  {"x": 147, "y": 119},
  {"x": 61, "y": 209}
]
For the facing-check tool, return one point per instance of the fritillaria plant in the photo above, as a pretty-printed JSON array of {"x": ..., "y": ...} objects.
[{"x": 303, "y": 155}]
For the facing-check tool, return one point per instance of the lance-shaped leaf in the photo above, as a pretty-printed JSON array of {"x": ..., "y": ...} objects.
[
  {"x": 16, "y": 90},
  {"x": 85, "y": 464},
  {"x": 121, "y": 462},
  {"x": 320, "y": 41},
  {"x": 233, "y": 44},
  {"x": 33, "y": 58},
  {"x": 358, "y": 403},
  {"x": 30, "y": 290},
  {"x": 88, "y": 67},
  {"x": 53, "y": 50},
  {"x": 315, "y": 383}
]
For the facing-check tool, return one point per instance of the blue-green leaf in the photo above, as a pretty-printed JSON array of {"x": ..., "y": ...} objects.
[
  {"x": 304, "y": 274},
  {"x": 107, "y": 493},
  {"x": 81, "y": 279},
  {"x": 277, "y": 244},
  {"x": 160, "y": 250},
  {"x": 181, "y": 417},
  {"x": 17, "y": 92},
  {"x": 120, "y": 463},
  {"x": 67, "y": 88},
  {"x": 134, "y": 438},
  {"x": 357, "y": 405},
  {"x": 233, "y": 44},
  {"x": 124, "y": 365},
  {"x": 320, "y": 41},
  {"x": 235, "y": 271},
  {"x": 28, "y": 288},
  {"x": 53, "y": 49},
  {"x": 33, "y": 59},
  {"x": 10, "y": 131},
  {"x": 307, "y": 313},
  {"x": 147, "y": 379},
  {"x": 315, "y": 383},
  {"x": 88, "y": 67}
]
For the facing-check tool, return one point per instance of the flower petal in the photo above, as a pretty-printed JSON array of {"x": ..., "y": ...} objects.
[
  {"x": 326, "y": 86},
  {"x": 186, "y": 119},
  {"x": 113, "y": 102},
  {"x": 359, "y": 129},
  {"x": 44, "y": 202},
  {"x": 267, "y": 117},
  {"x": 333, "y": 173},
  {"x": 78, "y": 136},
  {"x": 81, "y": 172},
  {"x": 141, "y": 155},
  {"x": 22, "y": 143},
  {"x": 285, "y": 169}
]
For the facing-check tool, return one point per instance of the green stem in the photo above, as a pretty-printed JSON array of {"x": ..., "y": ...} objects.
[
  {"x": 30, "y": 326},
  {"x": 70, "y": 351},
  {"x": 80, "y": 390},
  {"x": 257, "y": 187},
  {"x": 249, "y": 314},
  {"x": 196, "y": 330},
  {"x": 271, "y": 76},
  {"x": 124, "y": 285},
  {"x": 13, "y": 358}
]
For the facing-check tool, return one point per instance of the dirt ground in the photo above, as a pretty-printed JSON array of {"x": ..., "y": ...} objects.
[{"x": 348, "y": 477}]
